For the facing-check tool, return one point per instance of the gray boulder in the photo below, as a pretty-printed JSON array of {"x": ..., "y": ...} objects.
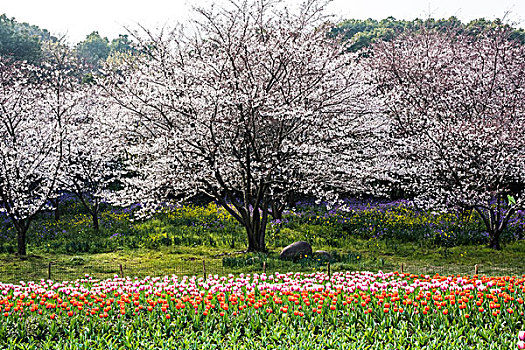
[
  {"x": 323, "y": 255},
  {"x": 296, "y": 250}
]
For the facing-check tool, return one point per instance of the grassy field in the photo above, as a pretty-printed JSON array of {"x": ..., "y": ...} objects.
[
  {"x": 366, "y": 236},
  {"x": 384, "y": 255}
]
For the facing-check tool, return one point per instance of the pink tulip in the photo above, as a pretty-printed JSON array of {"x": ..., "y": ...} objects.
[
  {"x": 521, "y": 345},
  {"x": 521, "y": 335}
]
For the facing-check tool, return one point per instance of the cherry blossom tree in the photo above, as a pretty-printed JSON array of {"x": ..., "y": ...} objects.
[
  {"x": 457, "y": 106},
  {"x": 246, "y": 106},
  {"x": 36, "y": 104},
  {"x": 91, "y": 161},
  {"x": 30, "y": 146}
]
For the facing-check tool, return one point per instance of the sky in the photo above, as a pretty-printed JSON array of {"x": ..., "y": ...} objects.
[{"x": 76, "y": 19}]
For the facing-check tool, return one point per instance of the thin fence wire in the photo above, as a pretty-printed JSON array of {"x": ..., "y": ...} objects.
[
  {"x": 479, "y": 270},
  {"x": 67, "y": 271}
]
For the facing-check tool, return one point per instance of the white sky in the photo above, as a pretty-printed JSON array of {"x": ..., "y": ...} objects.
[{"x": 76, "y": 19}]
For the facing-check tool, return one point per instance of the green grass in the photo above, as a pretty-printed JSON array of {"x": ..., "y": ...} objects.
[
  {"x": 178, "y": 239},
  {"x": 386, "y": 255}
]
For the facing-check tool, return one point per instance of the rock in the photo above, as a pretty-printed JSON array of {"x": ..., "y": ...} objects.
[
  {"x": 322, "y": 254},
  {"x": 296, "y": 250}
]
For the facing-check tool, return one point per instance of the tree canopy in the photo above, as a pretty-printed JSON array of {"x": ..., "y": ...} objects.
[
  {"x": 21, "y": 41},
  {"x": 246, "y": 111},
  {"x": 362, "y": 33},
  {"x": 93, "y": 49},
  {"x": 257, "y": 102},
  {"x": 457, "y": 107}
]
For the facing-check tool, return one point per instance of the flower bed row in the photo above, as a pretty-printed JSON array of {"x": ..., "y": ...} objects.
[{"x": 315, "y": 302}]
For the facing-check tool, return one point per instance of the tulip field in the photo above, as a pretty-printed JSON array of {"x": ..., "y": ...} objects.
[{"x": 347, "y": 310}]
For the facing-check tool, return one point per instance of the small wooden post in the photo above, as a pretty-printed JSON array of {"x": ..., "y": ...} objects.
[
  {"x": 121, "y": 270},
  {"x": 329, "y": 272},
  {"x": 476, "y": 269},
  {"x": 49, "y": 270},
  {"x": 264, "y": 267},
  {"x": 204, "y": 268},
  {"x": 402, "y": 268}
]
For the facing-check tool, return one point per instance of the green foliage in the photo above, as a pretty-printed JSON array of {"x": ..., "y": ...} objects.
[
  {"x": 192, "y": 225},
  {"x": 21, "y": 41},
  {"x": 339, "y": 260},
  {"x": 360, "y": 34},
  {"x": 74, "y": 233},
  {"x": 96, "y": 48},
  {"x": 211, "y": 226},
  {"x": 254, "y": 333},
  {"x": 178, "y": 238},
  {"x": 122, "y": 44},
  {"x": 93, "y": 49}
]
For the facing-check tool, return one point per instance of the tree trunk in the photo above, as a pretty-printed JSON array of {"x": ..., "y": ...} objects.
[
  {"x": 256, "y": 230},
  {"x": 495, "y": 223},
  {"x": 277, "y": 210},
  {"x": 91, "y": 209},
  {"x": 21, "y": 236},
  {"x": 252, "y": 241},
  {"x": 278, "y": 206},
  {"x": 494, "y": 240},
  {"x": 256, "y": 241},
  {"x": 94, "y": 213},
  {"x": 95, "y": 221},
  {"x": 56, "y": 209}
]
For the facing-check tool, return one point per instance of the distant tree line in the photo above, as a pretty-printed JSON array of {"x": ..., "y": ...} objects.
[
  {"x": 23, "y": 41},
  {"x": 96, "y": 48},
  {"x": 362, "y": 33}
]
